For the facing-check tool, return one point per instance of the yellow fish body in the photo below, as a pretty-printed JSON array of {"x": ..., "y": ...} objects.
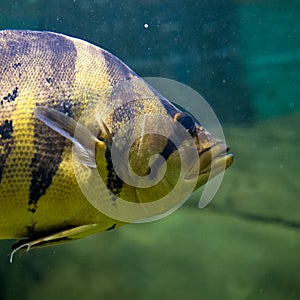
[{"x": 47, "y": 81}]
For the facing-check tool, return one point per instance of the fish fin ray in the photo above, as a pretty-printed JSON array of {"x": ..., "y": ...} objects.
[{"x": 82, "y": 139}]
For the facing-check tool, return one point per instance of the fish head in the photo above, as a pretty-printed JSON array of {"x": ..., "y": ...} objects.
[
  {"x": 156, "y": 147},
  {"x": 181, "y": 151}
]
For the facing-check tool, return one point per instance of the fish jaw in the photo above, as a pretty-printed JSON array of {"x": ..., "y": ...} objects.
[{"x": 214, "y": 157}]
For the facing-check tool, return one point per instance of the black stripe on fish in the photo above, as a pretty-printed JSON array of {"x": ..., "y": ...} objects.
[
  {"x": 114, "y": 183},
  {"x": 48, "y": 145},
  {"x": 168, "y": 150},
  {"x": 6, "y": 143},
  {"x": 45, "y": 162}
]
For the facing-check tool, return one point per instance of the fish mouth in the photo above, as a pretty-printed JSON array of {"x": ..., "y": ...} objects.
[{"x": 213, "y": 161}]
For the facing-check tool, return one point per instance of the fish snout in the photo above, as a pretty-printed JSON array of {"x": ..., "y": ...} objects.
[{"x": 212, "y": 161}]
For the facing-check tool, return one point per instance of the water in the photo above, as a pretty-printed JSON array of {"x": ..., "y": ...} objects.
[{"x": 243, "y": 57}]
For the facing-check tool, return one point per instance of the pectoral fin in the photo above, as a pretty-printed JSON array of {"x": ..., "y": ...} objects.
[{"x": 83, "y": 140}]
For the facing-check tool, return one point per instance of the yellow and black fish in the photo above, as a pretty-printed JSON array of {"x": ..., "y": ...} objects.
[{"x": 52, "y": 86}]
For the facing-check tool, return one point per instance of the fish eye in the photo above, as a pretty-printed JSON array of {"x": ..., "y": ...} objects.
[{"x": 186, "y": 121}]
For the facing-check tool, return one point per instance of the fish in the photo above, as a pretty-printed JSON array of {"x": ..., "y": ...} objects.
[{"x": 67, "y": 108}]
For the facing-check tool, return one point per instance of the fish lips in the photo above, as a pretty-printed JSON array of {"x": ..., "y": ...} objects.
[{"x": 213, "y": 161}]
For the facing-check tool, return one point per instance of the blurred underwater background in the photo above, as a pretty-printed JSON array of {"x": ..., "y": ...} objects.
[{"x": 243, "y": 56}]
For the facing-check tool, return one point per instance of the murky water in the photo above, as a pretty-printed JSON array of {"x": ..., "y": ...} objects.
[{"x": 243, "y": 57}]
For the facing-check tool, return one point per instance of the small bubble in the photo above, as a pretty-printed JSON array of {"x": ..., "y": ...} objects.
[
  {"x": 146, "y": 25},
  {"x": 224, "y": 81},
  {"x": 292, "y": 105}
]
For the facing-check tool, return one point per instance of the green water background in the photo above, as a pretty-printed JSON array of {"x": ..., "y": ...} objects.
[{"x": 244, "y": 58}]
